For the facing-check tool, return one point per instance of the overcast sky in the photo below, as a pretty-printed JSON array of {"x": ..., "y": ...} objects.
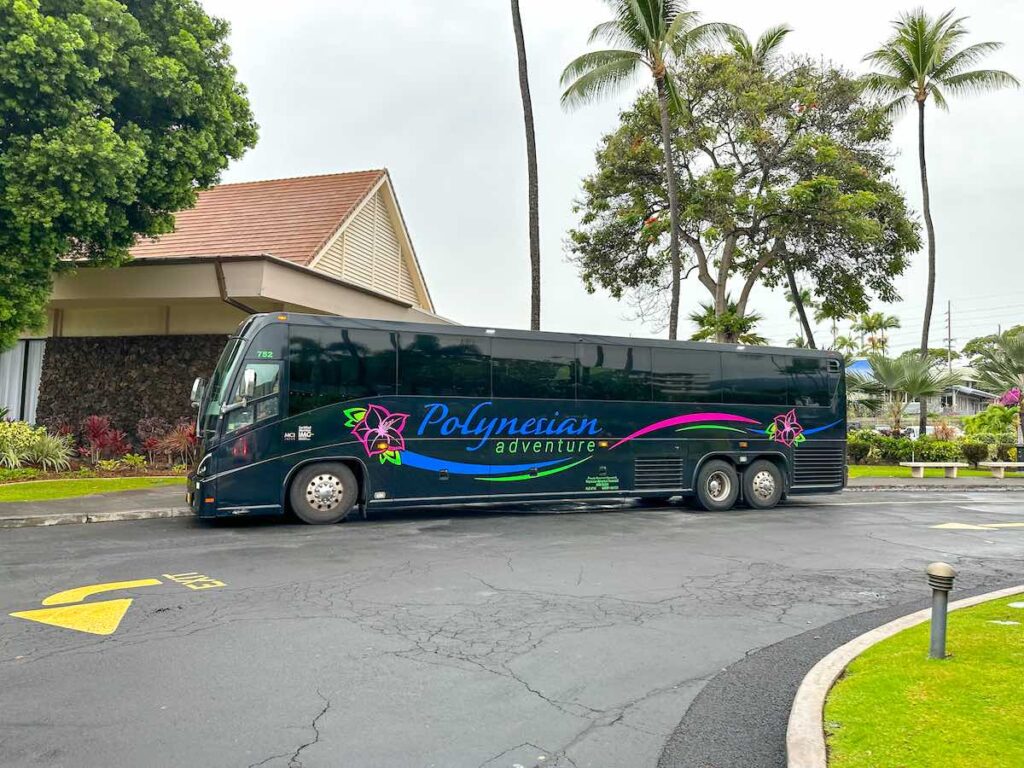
[{"x": 428, "y": 89}]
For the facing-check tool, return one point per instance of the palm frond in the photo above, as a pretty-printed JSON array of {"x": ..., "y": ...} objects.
[
  {"x": 737, "y": 39},
  {"x": 962, "y": 59},
  {"x": 610, "y": 32},
  {"x": 703, "y": 35},
  {"x": 980, "y": 81},
  {"x": 592, "y": 60},
  {"x": 770, "y": 41},
  {"x": 595, "y": 82},
  {"x": 938, "y": 97}
]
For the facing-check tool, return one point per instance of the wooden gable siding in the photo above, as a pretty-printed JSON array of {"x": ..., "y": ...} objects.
[{"x": 368, "y": 253}]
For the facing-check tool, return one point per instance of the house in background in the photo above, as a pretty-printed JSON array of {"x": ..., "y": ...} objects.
[
  {"x": 127, "y": 342},
  {"x": 955, "y": 402}
]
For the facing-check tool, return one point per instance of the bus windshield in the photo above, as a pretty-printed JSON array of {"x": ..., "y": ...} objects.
[{"x": 218, "y": 385}]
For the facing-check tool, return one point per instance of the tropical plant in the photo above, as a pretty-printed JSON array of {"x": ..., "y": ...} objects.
[
  {"x": 50, "y": 452},
  {"x": 974, "y": 452},
  {"x": 729, "y": 326},
  {"x": 800, "y": 300},
  {"x": 1000, "y": 368},
  {"x": 872, "y": 327},
  {"x": 760, "y": 53},
  {"x": 897, "y": 381},
  {"x": 531, "y": 168},
  {"x": 923, "y": 58},
  {"x": 831, "y": 314},
  {"x": 133, "y": 461},
  {"x": 16, "y": 438},
  {"x": 848, "y": 346},
  {"x": 108, "y": 465},
  {"x": 995, "y": 420},
  {"x": 648, "y": 35},
  {"x": 101, "y": 439},
  {"x": 180, "y": 443}
]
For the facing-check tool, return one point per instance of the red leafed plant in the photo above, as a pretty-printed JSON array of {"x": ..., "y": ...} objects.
[
  {"x": 180, "y": 442},
  {"x": 102, "y": 440}
]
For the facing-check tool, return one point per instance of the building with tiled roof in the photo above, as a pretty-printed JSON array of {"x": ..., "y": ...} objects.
[{"x": 334, "y": 244}]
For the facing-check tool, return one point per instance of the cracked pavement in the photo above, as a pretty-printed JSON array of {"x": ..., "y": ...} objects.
[{"x": 499, "y": 638}]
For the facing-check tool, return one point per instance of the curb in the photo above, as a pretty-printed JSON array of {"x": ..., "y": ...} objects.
[
  {"x": 939, "y": 488},
  {"x": 805, "y": 734},
  {"x": 68, "y": 518}
]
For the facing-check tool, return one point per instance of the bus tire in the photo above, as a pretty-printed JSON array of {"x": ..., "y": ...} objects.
[
  {"x": 762, "y": 484},
  {"x": 323, "y": 494},
  {"x": 718, "y": 486}
]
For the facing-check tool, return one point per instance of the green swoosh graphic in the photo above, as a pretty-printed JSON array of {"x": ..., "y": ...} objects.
[
  {"x": 533, "y": 477},
  {"x": 711, "y": 426}
]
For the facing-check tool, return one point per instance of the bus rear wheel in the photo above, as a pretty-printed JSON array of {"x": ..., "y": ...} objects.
[
  {"x": 718, "y": 486},
  {"x": 323, "y": 494},
  {"x": 762, "y": 484}
]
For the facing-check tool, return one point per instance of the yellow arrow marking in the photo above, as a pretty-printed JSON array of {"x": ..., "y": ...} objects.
[
  {"x": 95, "y": 618},
  {"x": 980, "y": 527},
  {"x": 78, "y": 594}
]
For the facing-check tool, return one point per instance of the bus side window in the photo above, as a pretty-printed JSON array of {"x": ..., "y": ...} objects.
[
  {"x": 686, "y": 376},
  {"x": 444, "y": 365},
  {"x": 613, "y": 372},
  {"x": 756, "y": 378},
  {"x": 809, "y": 381},
  {"x": 533, "y": 369},
  {"x": 330, "y": 365},
  {"x": 264, "y": 402}
]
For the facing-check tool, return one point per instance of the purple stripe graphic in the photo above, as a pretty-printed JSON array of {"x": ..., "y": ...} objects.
[{"x": 687, "y": 419}]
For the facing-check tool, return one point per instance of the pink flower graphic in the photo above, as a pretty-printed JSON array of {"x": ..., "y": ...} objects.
[
  {"x": 1010, "y": 398},
  {"x": 786, "y": 429},
  {"x": 380, "y": 431}
]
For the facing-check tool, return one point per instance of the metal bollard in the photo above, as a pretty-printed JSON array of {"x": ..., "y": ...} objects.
[{"x": 940, "y": 579}]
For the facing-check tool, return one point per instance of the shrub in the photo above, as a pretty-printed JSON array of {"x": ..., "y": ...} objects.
[
  {"x": 893, "y": 450},
  {"x": 994, "y": 420},
  {"x": 858, "y": 450},
  {"x": 151, "y": 431},
  {"x": 14, "y": 475},
  {"x": 180, "y": 442},
  {"x": 108, "y": 465},
  {"x": 1006, "y": 452},
  {"x": 133, "y": 461},
  {"x": 180, "y": 469},
  {"x": 16, "y": 437},
  {"x": 974, "y": 451},
  {"x": 101, "y": 439},
  {"x": 943, "y": 431},
  {"x": 928, "y": 448},
  {"x": 52, "y": 452}
]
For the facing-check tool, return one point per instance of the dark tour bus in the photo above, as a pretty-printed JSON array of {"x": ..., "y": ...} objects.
[{"x": 325, "y": 415}]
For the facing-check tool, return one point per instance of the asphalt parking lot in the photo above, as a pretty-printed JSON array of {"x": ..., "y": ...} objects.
[{"x": 505, "y": 637}]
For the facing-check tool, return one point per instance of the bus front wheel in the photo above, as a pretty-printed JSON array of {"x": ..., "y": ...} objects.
[
  {"x": 718, "y": 486},
  {"x": 322, "y": 494},
  {"x": 762, "y": 484}
]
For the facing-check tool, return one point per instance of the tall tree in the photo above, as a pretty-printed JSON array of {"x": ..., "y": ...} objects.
[
  {"x": 531, "y": 169},
  {"x": 873, "y": 328},
  {"x": 898, "y": 381},
  {"x": 922, "y": 58},
  {"x": 648, "y": 35},
  {"x": 730, "y": 327},
  {"x": 112, "y": 116},
  {"x": 781, "y": 169}
]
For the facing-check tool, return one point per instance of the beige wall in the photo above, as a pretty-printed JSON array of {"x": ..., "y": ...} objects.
[{"x": 156, "y": 299}]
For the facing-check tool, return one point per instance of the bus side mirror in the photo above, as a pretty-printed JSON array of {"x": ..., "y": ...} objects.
[
  {"x": 248, "y": 386},
  {"x": 197, "y": 391}
]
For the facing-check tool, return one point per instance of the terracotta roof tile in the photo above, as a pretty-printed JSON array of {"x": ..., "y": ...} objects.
[{"x": 287, "y": 218}]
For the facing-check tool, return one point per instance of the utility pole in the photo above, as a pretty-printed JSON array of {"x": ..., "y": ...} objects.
[{"x": 949, "y": 336}]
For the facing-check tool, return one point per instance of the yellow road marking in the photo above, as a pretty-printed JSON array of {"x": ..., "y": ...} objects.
[
  {"x": 978, "y": 527},
  {"x": 78, "y": 594},
  {"x": 101, "y": 618}
]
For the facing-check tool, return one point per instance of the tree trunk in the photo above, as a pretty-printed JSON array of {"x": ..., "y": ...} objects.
[
  {"x": 673, "y": 208},
  {"x": 799, "y": 304},
  {"x": 531, "y": 169},
  {"x": 930, "y": 228}
]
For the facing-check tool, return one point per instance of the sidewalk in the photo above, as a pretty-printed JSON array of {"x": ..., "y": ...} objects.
[
  {"x": 935, "y": 484},
  {"x": 166, "y": 501}
]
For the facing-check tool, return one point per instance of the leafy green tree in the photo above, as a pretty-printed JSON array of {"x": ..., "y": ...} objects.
[
  {"x": 531, "y": 168},
  {"x": 1000, "y": 369},
  {"x": 648, "y": 34},
  {"x": 779, "y": 170},
  {"x": 923, "y": 58},
  {"x": 979, "y": 344},
  {"x": 729, "y": 327},
  {"x": 898, "y": 381},
  {"x": 112, "y": 116}
]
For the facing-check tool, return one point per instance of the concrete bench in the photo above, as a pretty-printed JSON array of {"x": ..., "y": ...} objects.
[
  {"x": 917, "y": 468},
  {"x": 999, "y": 467}
]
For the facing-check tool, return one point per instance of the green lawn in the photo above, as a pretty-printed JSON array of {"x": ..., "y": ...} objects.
[
  {"x": 884, "y": 470},
  {"x": 896, "y": 707},
  {"x": 45, "y": 490}
]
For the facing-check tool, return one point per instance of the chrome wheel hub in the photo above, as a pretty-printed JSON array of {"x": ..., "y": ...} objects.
[
  {"x": 324, "y": 492},
  {"x": 763, "y": 485},
  {"x": 719, "y": 486}
]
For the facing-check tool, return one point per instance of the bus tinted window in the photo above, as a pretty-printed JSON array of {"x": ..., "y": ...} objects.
[
  {"x": 613, "y": 372},
  {"x": 535, "y": 369},
  {"x": 330, "y": 365},
  {"x": 809, "y": 381},
  {"x": 444, "y": 365},
  {"x": 748, "y": 377},
  {"x": 686, "y": 376}
]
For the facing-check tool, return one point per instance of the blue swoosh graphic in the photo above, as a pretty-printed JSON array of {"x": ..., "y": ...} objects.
[
  {"x": 418, "y": 460},
  {"x": 806, "y": 431}
]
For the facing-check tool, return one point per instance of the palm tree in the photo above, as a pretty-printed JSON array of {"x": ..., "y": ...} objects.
[
  {"x": 874, "y": 325},
  {"x": 758, "y": 54},
  {"x": 1000, "y": 368},
  {"x": 531, "y": 170},
  {"x": 828, "y": 312},
  {"x": 845, "y": 345},
  {"x": 897, "y": 381},
  {"x": 800, "y": 300},
  {"x": 922, "y": 58},
  {"x": 729, "y": 326},
  {"x": 648, "y": 35}
]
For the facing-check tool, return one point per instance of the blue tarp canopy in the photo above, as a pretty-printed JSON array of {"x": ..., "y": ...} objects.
[{"x": 859, "y": 366}]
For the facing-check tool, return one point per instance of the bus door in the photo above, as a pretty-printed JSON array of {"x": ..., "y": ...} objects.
[{"x": 246, "y": 458}]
